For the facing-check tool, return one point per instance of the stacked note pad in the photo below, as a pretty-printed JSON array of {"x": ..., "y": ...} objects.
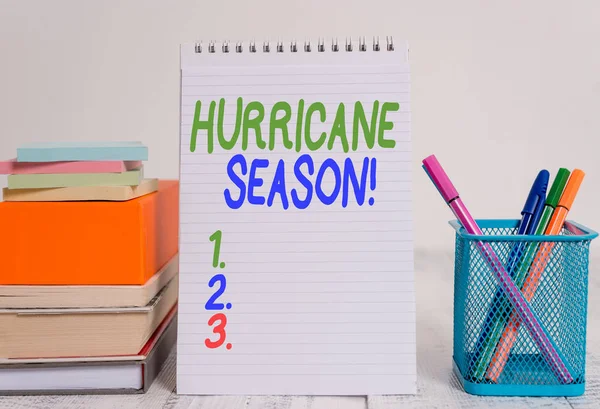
[
  {"x": 77, "y": 171},
  {"x": 88, "y": 269}
]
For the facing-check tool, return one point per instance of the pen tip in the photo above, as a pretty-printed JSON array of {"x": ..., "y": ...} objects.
[{"x": 568, "y": 196}]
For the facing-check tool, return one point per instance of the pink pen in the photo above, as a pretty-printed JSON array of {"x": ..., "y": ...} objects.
[{"x": 544, "y": 343}]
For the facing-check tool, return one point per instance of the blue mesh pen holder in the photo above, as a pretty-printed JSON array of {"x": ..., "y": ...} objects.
[{"x": 484, "y": 362}]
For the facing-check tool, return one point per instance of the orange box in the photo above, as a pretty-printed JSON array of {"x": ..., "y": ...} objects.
[{"x": 89, "y": 243}]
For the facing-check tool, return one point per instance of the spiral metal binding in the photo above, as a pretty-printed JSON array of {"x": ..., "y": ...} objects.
[
  {"x": 334, "y": 46},
  {"x": 307, "y": 46},
  {"x": 321, "y": 45},
  {"x": 293, "y": 46}
]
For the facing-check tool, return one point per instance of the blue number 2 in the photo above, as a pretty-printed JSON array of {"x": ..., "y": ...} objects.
[{"x": 210, "y": 304}]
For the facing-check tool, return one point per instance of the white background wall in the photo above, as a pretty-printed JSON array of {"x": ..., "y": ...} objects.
[{"x": 500, "y": 89}]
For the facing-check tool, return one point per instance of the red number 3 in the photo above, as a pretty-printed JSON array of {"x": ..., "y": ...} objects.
[{"x": 219, "y": 329}]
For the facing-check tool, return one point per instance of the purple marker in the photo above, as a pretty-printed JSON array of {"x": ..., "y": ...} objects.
[{"x": 451, "y": 197}]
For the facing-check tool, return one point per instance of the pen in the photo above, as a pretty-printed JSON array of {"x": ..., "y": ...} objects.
[
  {"x": 498, "y": 313},
  {"x": 509, "y": 336},
  {"x": 449, "y": 193},
  {"x": 551, "y": 201}
]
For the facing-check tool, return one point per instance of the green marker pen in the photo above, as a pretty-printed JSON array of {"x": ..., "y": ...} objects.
[{"x": 552, "y": 199}]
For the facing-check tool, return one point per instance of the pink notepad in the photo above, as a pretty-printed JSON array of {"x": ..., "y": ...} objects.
[{"x": 12, "y": 167}]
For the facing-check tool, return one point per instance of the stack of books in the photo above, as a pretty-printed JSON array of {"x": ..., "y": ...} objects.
[{"x": 88, "y": 269}]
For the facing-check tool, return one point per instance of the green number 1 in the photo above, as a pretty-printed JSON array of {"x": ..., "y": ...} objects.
[{"x": 216, "y": 237}]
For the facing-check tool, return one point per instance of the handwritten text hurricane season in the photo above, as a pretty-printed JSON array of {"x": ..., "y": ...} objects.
[{"x": 326, "y": 182}]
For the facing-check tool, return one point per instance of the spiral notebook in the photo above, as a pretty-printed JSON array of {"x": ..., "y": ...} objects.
[{"x": 296, "y": 241}]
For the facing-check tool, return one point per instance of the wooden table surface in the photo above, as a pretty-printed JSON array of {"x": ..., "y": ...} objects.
[{"x": 437, "y": 386}]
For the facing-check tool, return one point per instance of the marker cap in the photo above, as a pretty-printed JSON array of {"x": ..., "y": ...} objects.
[
  {"x": 568, "y": 196},
  {"x": 439, "y": 178},
  {"x": 557, "y": 187},
  {"x": 537, "y": 194}
]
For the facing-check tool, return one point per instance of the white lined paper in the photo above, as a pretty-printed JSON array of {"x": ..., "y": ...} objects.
[{"x": 322, "y": 299}]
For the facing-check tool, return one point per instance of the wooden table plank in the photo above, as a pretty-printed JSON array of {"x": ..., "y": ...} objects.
[
  {"x": 265, "y": 402},
  {"x": 206, "y": 402},
  {"x": 307, "y": 402}
]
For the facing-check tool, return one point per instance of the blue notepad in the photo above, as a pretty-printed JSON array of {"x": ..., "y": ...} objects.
[{"x": 81, "y": 151}]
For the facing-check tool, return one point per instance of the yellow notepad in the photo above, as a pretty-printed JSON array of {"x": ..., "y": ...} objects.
[{"x": 82, "y": 193}]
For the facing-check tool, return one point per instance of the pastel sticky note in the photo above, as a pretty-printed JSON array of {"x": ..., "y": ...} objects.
[
  {"x": 130, "y": 178},
  {"x": 81, "y": 193},
  {"x": 12, "y": 167},
  {"x": 81, "y": 151}
]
